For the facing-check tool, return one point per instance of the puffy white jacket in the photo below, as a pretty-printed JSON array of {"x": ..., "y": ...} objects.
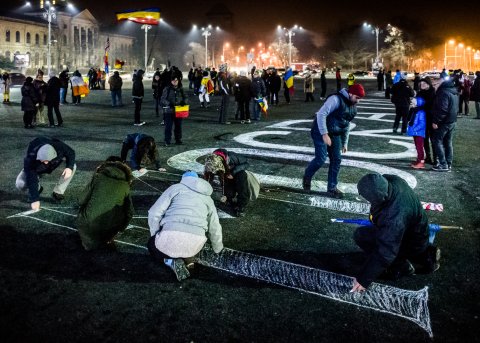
[{"x": 188, "y": 207}]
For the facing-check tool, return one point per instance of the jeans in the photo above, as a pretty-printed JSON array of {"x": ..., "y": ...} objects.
[
  {"x": 63, "y": 95},
  {"x": 116, "y": 94},
  {"x": 256, "y": 110},
  {"x": 442, "y": 139},
  {"x": 223, "y": 112},
  {"x": 401, "y": 112},
  {"x": 170, "y": 120},
  {"x": 321, "y": 151},
  {"x": 138, "y": 108}
]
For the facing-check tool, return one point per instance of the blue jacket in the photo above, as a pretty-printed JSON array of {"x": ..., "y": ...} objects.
[{"x": 417, "y": 123}]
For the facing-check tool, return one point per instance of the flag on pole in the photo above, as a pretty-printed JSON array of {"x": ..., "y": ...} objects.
[
  {"x": 105, "y": 59},
  {"x": 288, "y": 78},
  {"x": 149, "y": 16}
]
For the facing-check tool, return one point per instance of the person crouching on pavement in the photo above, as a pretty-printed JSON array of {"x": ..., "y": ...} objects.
[
  {"x": 44, "y": 155},
  {"x": 144, "y": 152},
  {"x": 239, "y": 186},
  {"x": 106, "y": 206},
  {"x": 181, "y": 221},
  {"x": 400, "y": 232}
]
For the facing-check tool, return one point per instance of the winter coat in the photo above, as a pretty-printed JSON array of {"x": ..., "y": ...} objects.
[
  {"x": 187, "y": 207},
  {"x": 417, "y": 122},
  {"x": 40, "y": 89},
  {"x": 308, "y": 85},
  {"x": 242, "y": 89},
  {"x": 53, "y": 91},
  {"x": 475, "y": 90},
  {"x": 33, "y": 167},
  {"x": 465, "y": 87},
  {"x": 64, "y": 78},
  {"x": 445, "y": 106},
  {"x": 172, "y": 97},
  {"x": 115, "y": 82},
  {"x": 258, "y": 89},
  {"x": 105, "y": 205},
  {"x": 401, "y": 93},
  {"x": 274, "y": 83},
  {"x": 29, "y": 97},
  {"x": 234, "y": 161},
  {"x": 429, "y": 97},
  {"x": 137, "y": 88},
  {"x": 398, "y": 217}
]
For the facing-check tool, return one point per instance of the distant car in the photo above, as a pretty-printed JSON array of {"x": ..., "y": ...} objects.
[
  {"x": 17, "y": 79},
  {"x": 431, "y": 74},
  {"x": 360, "y": 73}
]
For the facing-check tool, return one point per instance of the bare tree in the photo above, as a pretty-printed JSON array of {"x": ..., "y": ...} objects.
[
  {"x": 281, "y": 50},
  {"x": 399, "y": 49},
  {"x": 196, "y": 54},
  {"x": 353, "y": 55}
]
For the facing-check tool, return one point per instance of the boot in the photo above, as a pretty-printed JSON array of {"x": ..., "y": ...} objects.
[
  {"x": 306, "y": 184},
  {"x": 202, "y": 104},
  {"x": 207, "y": 105}
]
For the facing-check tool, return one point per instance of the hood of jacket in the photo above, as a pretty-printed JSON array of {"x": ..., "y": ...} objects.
[
  {"x": 374, "y": 188},
  {"x": 448, "y": 86},
  {"x": 116, "y": 170},
  {"x": 197, "y": 185}
]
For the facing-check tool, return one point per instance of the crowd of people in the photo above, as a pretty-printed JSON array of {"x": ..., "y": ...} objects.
[{"x": 184, "y": 218}]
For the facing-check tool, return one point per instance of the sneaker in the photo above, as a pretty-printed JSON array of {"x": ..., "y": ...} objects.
[
  {"x": 335, "y": 193},
  {"x": 51, "y": 126},
  {"x": 162, "y": 123},
  {"x": 418, "y": 165},
  {"x": 178, "y": 266},
  {"x": 58, "y": 196},
  {"x": 242, "y": 121},
  {"x": 306, "y": 184},
  {"x": 449, "y": 167},
  {"x": 248, "y": 121},
  {"x": 440, "y": 168}
]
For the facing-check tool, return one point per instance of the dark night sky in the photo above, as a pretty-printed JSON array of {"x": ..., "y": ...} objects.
[{"x": 317, "y": 16}]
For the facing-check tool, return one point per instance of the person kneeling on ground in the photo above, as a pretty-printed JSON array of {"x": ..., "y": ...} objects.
[
  {"x": 144, "y": 152},
  {"x": 105, "y": 204},
  {"x": 180, "y": 222},
  {"x": 239, "y": 186},
  {"x": 399, "y": 236},
  {"x": 44, "y": 155}
]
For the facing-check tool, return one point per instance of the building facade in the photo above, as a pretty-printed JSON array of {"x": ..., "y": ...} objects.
[{"x": 77, "y": 41}]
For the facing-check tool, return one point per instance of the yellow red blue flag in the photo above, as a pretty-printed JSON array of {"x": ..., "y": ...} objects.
[
  {"x": 149, "y": 16},
  {"x": 288, "y": 78}
]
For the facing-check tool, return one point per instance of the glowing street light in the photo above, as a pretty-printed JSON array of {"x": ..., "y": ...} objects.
[
  {"x": 376, "y": 31},
  {"x": 445, "y": 56},
  {"x": 146, "y": 28},
  {"x": 290, "y": 32},
  {"x": 207, "y": 32},
  {"x": 49, "y": 15}
]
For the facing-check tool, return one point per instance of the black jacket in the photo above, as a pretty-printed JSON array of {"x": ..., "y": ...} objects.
[
  {"x": 399, "y": 219},
  {"x": 32, "y": 167},
  {"x": 235, "y": 162},
  {"x": 29, "y": 97},
  {"x": 137, "y": 87},
  {"x": 445, "y": 106},
  {"x": 53, "y": 91},
  {"x": 401, "y": 93}
]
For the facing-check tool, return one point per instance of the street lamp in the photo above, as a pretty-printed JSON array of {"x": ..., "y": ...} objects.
[
  {"x": 49, "y": 15},
  {"x": 290, "y": 32},
  {"x": 376, "y": 31},
  {"x": 223, "y": 51},
  {"x": 146, "y": 28},
  {"x": 445, "y": 56},
  {"x": 207, "y": 31}
]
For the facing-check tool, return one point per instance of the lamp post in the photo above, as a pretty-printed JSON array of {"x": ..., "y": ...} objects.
[
  {"x": 289, "y": 33},
  {"x": 445, "y": 56},
  {"x": 206, "y": 32},
  {"x": 376, "y": 31},
  {"x": 146, "y": 28},
  {"x": 49, "y": 15}
]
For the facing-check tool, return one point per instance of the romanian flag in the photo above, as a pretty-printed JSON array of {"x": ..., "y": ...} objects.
[
  {"x": 118, "y": 64},
  {"x": 262, "y": 102},
  {"x": 149, "y": 16},
  {"x": 288, "y": 78},
  {"x": 182, "y": 111}
]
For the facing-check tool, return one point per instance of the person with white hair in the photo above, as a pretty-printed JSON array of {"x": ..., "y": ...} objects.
[{"x": 44, "y": 155}]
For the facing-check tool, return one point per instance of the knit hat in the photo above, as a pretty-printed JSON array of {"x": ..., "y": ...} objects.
[
  {"x": 214, "y": 164},
  {"x": 46, "y": 153},
  {"x": 189, "y": 173},
  {"x": 373, "y": 187},
  {"x": 357, "y": 89}
]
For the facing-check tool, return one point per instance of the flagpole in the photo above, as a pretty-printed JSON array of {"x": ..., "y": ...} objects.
[{"x": 146, "y": 28}]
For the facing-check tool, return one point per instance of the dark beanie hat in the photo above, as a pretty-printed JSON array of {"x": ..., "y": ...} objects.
[
  {"x": 357, "y": 89},
  {"x": 374, "y": 188}
]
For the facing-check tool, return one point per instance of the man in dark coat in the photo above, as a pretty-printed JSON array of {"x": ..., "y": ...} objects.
[
  {"x": 106, "y": 206},
  {"x": 444, "y": 119},
  {"x": 399, "y": 236},
  {"x": 64, "y": 80},
  {"x": 380, "y": 80},
  {"x": 44, "y": 155},
  {"x": 401, "y": 96},
  {"x": 137, "y": 95},
  {"x": 52, "y": 100},
  {"x": 243, "y": 94},
  {"x": 29, "y": 101}
]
